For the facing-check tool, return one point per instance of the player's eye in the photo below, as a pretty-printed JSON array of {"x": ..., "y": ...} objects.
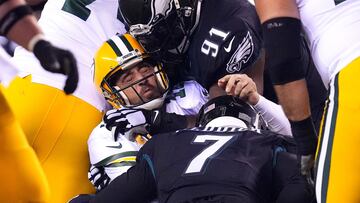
[
  {"x": 145, "y": 69},
  {"x": 127, "y": 79}
]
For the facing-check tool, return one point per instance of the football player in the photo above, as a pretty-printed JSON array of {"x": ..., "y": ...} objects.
[
  {"x": 61, "y": 126},
  {"x": 228, "y": 158},
  {"x": 128, "y": 83},
  {"x": 332, "y": 28},
  {"x": 133, "y": 82},
  {"x": 20, "y": 169},
  {"x": 211, "y": 46}
]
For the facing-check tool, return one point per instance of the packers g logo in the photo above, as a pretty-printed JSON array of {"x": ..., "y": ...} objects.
[{"x": 242, "y": 54}]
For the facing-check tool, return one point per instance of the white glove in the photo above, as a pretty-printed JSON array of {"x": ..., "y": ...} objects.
[
  {"x": 98, "y": 177},
  {"x": 128, "y": 122}
]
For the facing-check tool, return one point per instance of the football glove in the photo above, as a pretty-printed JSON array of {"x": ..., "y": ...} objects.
[
  {"x": 130, "y": 122},
  {"x": 306, "y": 139},
  {"x": 98, "y": 177},
  {"x": 307, "y": 167},
  {"x": 58, "y": 60}
]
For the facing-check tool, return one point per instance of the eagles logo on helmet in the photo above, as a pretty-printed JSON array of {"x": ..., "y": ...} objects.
[{"x": 118, "y": 55}]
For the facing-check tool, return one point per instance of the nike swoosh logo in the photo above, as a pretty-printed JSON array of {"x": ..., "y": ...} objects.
[
  {"x": 116, "y": 146},
  {"x": 228, "y": 48}
]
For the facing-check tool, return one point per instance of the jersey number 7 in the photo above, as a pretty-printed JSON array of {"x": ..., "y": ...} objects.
[{"x": 213, "y": 149}]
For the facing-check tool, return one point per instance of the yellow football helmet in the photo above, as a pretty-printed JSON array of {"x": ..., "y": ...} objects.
[{"x": 118, "y": 55}]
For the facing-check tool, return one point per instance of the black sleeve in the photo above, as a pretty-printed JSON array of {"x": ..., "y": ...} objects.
[
  {"x": 289, "y": 184},
  {"x": 137, "y": 185},
  {"x": 164, "y": 122}
]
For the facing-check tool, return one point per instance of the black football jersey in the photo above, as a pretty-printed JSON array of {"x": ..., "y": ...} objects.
[
  {"x": 227, "y": 40},
  {"x": 197, "y": 163}
]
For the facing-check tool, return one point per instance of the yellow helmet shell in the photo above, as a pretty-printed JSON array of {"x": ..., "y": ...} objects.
[{"x": 119, "y": 53}]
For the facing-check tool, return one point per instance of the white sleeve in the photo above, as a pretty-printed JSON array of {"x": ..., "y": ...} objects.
[
  {"x": 274, "y": 115},
  {"x": 116, "y": 156},
  {"x": 187, "y": 98}
]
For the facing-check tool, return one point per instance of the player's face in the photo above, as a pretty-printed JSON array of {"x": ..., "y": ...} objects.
[{"x": 141, "y": 83}]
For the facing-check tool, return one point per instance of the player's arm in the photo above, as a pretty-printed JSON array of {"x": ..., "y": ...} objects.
[
  {"x": 242, "y": 86},
  {"x": 109, "y": 158},
  {"x": 19, "y": 24},
  {"x": 281, "y": 27},
  {"x": 130, "y": 122},
  {"x": 136, "y": 185}
]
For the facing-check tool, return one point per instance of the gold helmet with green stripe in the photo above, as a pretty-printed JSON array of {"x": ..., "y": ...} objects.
[{"x": 127, "y": 76}]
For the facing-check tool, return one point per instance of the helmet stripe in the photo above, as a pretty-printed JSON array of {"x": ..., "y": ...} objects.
[
  {"x": 114, "y": 47},
  {"x": 120, "y": 45},
  {"x": 126, "y": 42}
]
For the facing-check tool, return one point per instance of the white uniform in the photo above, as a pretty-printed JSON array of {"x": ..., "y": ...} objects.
[
  {"x": 58, "y": 125},
  {"x": 8, "y": 68},
  {"x": 186, "y": 99},
  {"x": 81, "y": 29},
  {"x": 333, "y": 31}
]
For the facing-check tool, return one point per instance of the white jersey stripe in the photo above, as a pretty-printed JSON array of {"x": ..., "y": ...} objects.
[{"x": 325, "y": 142}]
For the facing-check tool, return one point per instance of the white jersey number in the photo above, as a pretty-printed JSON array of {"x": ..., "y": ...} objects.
[
  {"x": 197, "y": 163},
  {"x": 209, "y": 47}
]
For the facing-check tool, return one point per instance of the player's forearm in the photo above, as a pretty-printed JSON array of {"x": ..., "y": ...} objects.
[
  {"x": 169, "y": 122},
  {"x": 273, "y": 115},
  {"x": 23, "y": 31},
  {"x": 18, "y": 23},
  {"x": 294, "y": 99}
]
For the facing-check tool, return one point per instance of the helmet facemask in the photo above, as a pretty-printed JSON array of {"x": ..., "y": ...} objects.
[
  {"x": 165, "y": 34},
  {"x": 167, "y": 31},
  {"x": 127, "y": 95}
]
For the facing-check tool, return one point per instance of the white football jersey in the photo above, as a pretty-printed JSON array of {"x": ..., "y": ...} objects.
[
  {"x": 8, "y": 69},
  {"x": 184, "y": 99},
  {"x": 333, "y": 29},
  {"x": 80, "y": 28}
]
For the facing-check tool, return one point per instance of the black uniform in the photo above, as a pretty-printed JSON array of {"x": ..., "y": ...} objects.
[
  {"x": 226, "y": 40},
  {"x": 212, "y": 164}
]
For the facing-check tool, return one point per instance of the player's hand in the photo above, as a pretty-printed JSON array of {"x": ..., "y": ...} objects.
[
  {"x": 307, "y": 166},
  {"x": 83, "y": 198},
  {"x": 58, "y": 60},
  {"x": 98, "y": 177},
  {"x": 128, "y": 122},
  {"x": 240, "y": 85}
]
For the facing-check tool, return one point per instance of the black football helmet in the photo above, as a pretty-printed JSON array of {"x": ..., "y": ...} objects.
[
  {"x": 233, "y": 107},
  {"x": 161, "y": 25}
]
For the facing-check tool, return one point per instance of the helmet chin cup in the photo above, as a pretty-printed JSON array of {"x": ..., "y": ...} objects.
[{"x": 153, "y": 104}]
